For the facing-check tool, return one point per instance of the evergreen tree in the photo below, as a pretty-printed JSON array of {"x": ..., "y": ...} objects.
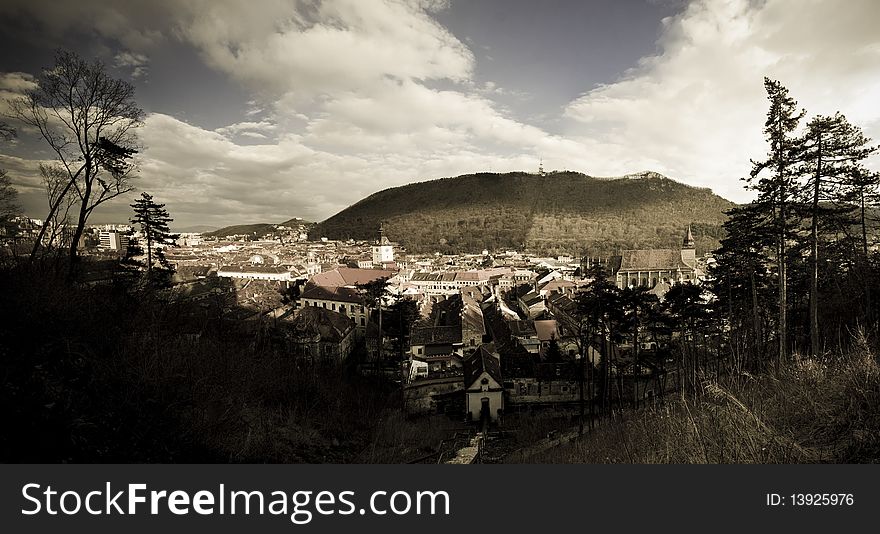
[
  {"x": 832, "y": 149},
  {"x": 153, "y": 220},
  {"x": 637, "y": 303},
  {"x": 741, "y": 283},
  {"x": 374, "y": 294},
  {"x": 598, "y": 307},
  {"x": 778, "y": 186}
]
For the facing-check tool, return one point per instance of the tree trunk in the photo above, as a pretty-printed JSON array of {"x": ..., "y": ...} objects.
[
  {"x": 756, "y": 315},
  {"x": 869, "y": 312},
  {"x": 781, "y": 259},
  {"x": 581, "y": 384},
  {"x": 148, "y": 235},
  {"x": 814, "y": 258},
  {"x": 52, "y": 210},
  {"x": 80, "y": 223}
]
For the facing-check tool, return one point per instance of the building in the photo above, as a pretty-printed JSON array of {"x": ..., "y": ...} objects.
[
  {"x": 318, "y": 335},
  {"x": 113, "y": 240},
  {"x": 276, "y": 273},
  {"x": 383, "y": 250},
  {"x": 482, "y": 381},
  {"x": 337, "y": 290},
  {"x": 649, "y": 267},
  {"x": 440, "y": 283}
]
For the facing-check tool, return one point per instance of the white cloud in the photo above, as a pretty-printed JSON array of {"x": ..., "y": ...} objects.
[
  {"x": 344, "y": 100},
  {"x": 134, "y": 61},
  {"x": 695, "y": 111}
]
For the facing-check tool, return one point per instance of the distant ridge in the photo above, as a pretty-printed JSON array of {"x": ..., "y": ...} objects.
[
  {"x": 257, "y": 228},
  {"x": 197, "y": 229},
  {"x": 555, "y": 213}
]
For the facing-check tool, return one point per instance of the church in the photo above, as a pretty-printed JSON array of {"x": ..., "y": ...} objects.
[{"x": 657, "y": 268}]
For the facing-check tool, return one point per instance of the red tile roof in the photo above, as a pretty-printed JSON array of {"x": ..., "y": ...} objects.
[{"x": 347, "y": 276}]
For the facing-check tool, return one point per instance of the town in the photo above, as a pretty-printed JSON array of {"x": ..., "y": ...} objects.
[
  {"x": 471, "y": 336},
  {"x": 416, "y": 232}
]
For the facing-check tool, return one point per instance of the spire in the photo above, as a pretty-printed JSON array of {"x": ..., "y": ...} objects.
[
  {"x": 688, "y": 238},
  {"x": 382, "y": 239}
]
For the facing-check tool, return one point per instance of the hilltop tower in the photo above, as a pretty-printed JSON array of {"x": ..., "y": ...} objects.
[
  {"x": 688, "y": 248},
  {"x": 541, "y": 167}
]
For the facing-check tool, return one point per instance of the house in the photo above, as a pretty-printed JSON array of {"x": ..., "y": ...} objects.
[
  {"x": 337, "y": 290},
  {"x": 318, "y": 335},
  {"x": 525, "y": 334},
  {"x": 484, "y": 395},
  {"x": 447, "y": 282},
  {"x": 515, "y": 278},
  {"x": 531, "y": 303},
  {"x": 650, "y": 267},
  {"x": 276, "y": 273}
]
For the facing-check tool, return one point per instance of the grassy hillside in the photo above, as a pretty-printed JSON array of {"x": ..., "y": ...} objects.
[
  {"x": 814, "y": 411},
  {"x": 564, "y": 212},
  {"x": 250, "y": 229}
]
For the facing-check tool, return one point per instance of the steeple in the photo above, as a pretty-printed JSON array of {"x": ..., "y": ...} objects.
[
  {"x": 688, "y": 239},
  {"x": 688, "y": 249}
]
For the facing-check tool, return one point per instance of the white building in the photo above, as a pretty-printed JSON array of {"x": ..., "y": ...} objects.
[
  {"x": 275, "y": 273},
  {"x": 383, "y": 250},
  {"x": 482, "y": 381},
  {"x": 113, "y": 240}
]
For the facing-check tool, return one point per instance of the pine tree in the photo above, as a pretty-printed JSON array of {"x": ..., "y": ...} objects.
[
  {"x": 832, "y": 149},
  {"x": 153, "y": 220},
  {"x": 779, "y": 188},
  {"x": 741, "y": 283}
]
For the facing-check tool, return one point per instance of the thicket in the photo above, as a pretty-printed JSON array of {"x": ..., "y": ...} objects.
[{"x": 124, "y": 372}]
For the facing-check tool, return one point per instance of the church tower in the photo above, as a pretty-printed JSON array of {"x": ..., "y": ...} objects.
[{"x": 688, "y": 248}]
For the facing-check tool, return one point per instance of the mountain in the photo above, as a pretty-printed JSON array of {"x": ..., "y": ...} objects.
[
  {"x": 260, "y": 229},
  {"x": 197, "y": 229},
  {"x": 556, "y": 213}
]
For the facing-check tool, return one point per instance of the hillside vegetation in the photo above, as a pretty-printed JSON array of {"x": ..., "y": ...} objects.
[
  {"x": 816, "y": 410},
  {"x": 259, "y": 229},
  {"x": 561, "y": 212}
]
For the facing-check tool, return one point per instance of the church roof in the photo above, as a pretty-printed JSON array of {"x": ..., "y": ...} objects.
[{"x": 661, "y": 259}]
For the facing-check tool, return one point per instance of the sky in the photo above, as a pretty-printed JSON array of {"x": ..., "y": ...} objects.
[{"x": 265, "y": 110}]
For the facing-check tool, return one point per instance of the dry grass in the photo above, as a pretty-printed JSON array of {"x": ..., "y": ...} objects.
[{"x": 815, "y": 411}]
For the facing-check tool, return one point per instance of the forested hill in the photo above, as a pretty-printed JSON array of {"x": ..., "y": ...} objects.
[
  {"x": 560, "y": 212},
  {"x": 258, "y": 229}
]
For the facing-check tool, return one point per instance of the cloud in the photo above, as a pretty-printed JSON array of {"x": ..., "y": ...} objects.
[
  {"x": 136, "y": 62},
  {"x": 695, "y": 110},
  {"x": 348, "y": 97}
]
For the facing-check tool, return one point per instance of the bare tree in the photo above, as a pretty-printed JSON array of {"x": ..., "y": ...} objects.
[
  {"x": 8, "y": 195},
  {"x": 57, "y": 226},
  {"x": 88, "y": 119}
]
